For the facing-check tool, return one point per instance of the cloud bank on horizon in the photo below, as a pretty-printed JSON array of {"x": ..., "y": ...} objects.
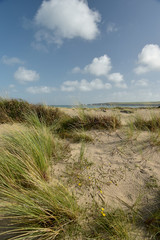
[{"x": 84, "y": 50}]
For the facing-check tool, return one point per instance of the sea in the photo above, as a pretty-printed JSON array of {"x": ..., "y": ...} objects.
[{"x": 110, "y": 106}]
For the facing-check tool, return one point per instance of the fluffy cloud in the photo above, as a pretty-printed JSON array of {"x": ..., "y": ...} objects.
[
  {"x": 11, "y": 61},
  {"x": 117, "y": 78},
  {"x": 67, "y": 19},
  {"x": 99, "y": 66},
  {"x": 111, "y": 27},
  {"x": 41, "y": 89},
  {"x": 69, "y": 86},
  {"x": 85, "y": 85},
  {"x": 24, "y": 75},
  {"x": 148, "y": 59}
]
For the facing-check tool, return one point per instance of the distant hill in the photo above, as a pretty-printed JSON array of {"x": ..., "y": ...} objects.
[{"x": 127, "y": 104}]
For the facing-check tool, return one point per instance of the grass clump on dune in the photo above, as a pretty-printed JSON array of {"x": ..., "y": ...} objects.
[
  {"x": 13, "y": 109},
  {"x": 75, "y": 127},
  {"x": 40, "y": 213},
  {"x": 35, "y": 204},
  {"x": 66, "y": 126},
  {"x": 16, "y": 110},
  {"x": 88, "y": 122},
  {"x": 151, "y": 124},
  {"x": 30, "y": 151}
]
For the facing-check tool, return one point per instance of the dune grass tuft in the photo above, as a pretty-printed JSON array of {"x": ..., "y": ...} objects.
[
  {"x": 30, "y": 151},
  {"x": 35, "y": 204},
  {"x": 16, "y": 110},
  {"x": 89, "y": 122},
  {"x": 151, "y": 124},
  {"x": 40, "y": 213}
]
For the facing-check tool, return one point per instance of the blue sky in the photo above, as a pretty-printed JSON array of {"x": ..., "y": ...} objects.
[{"x": 70, "y": 51}]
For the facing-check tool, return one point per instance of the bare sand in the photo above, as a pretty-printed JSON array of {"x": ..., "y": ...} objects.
[{"x": 125, "y": 165}]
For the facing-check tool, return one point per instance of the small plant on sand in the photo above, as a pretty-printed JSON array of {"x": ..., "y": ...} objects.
[
  {"x": 75, "y": 172},
  {"x": 110, "y": 224}
]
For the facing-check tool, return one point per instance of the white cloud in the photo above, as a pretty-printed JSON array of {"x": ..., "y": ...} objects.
[
  {"x": 85, "y": 85},
  {"x": 111, "y": 27},
  {"x": 148, "y": 59},
  {"x": 24, "y": 75},
  {"x": 142, "y": 82},
  {"x": 69, "y": 86},
  {"x": 99, "y": 66},
  {"x": 116, "y": 77},
  {"x": 11, "y": 60},
  {"x": 41, "y": 89},
  {"x": 67, "y": 19}
]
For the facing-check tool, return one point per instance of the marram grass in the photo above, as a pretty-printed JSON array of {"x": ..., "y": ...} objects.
[
  {"x": 35, "y": 205},
  {"x": 40, "y": 213},
  {"x": 29, "y": 152},
  {"x": 152, "y": 124}
]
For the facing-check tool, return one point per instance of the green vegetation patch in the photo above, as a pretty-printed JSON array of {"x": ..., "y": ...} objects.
[
  {"x": 35, "y": 205},
  {"x": 142, "y": 124},
  {"x": 16, "y": 110}
]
